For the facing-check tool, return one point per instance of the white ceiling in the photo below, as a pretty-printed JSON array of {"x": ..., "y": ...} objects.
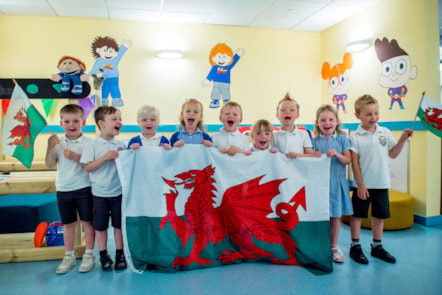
[{"x": 301, "y": 15}]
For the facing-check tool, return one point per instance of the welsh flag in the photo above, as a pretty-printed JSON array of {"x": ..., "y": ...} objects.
[
  {"x": 194, "y": 207},
  {"x": 430, "y": 113},
  {"x": 20, "y": 128}
]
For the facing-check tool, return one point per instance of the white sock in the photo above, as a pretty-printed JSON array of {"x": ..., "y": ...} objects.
[
  {"x": 69, "y": 253},
  {"x": 89, "y": 251}
]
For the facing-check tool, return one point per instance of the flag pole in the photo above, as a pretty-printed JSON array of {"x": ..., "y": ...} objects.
[{"x": 422, "y": 98}]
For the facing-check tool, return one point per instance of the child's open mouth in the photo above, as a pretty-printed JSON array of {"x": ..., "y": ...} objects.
[
  {"x": 190, "y": 121},
  {"x": 287, "y": 118},
  {"x": 230, "y": 123}
]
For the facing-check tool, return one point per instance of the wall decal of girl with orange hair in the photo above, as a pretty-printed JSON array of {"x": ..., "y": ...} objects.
[
  {"x": 222, "y": 60},
  {"x": 338, "y": 82}
]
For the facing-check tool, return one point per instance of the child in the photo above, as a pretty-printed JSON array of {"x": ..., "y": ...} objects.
[
  {"x": 73, "y": 186},
  {"x": 191, "y": 126},
  {"x": 148, "y": 119},
  {"x": 229, "y": 140},
  {"x": 262, "y": 135},
  {"x": 331, "y": 141},
  {"x": 371, "y": 147},
  {"x": 99, "y": 160},
  {"x": 290, "y": 140}
]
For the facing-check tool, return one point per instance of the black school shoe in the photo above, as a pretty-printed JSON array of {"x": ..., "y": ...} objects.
[
  {"x": 120, "y": 262},
  {"x": 106, "y": 262},
  {"x": 380, "y": 253},
  {"x": 357, "y": 254}
]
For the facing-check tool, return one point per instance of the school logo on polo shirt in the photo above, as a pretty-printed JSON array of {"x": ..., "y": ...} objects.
[{"x": 382, "y": 140}]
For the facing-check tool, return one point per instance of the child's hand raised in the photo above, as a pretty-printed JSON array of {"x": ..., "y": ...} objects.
[
  {"x": 207, "y": 143},
  {"x": 406, "y": 134},
  {"x": 332, "y": 153},
  {"x": 166, "y": 146},
  {"x": 273, "y": 150},
  {"x": 53, "y": 140},
  {"x": 111, "y": 155},
  {"x": 71, "y": 155},
  {"x": 292, "y": 155},
  {"x": 179, "y": 143},
  {"x": 317, "y": 154},
  {"x": 233, "y": 150},
  {"x": 134, "y": 146},
  {"x": 223, "y": 150}
]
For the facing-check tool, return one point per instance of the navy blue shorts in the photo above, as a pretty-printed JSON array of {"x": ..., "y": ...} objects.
[
  {"x": 105, "y": 208},
  {"x": 380, "y": 205},
  {"x": 69, "y": 203}
]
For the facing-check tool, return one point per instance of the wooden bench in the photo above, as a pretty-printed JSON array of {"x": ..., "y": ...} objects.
[
  {"x": 19, "y": 247},
  {"x": 14, "y": 166}
]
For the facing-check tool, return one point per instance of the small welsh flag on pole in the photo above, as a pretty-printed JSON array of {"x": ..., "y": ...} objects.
[
  {"x": 21, "y": 126},
  {"x": 430, "y": 114}
]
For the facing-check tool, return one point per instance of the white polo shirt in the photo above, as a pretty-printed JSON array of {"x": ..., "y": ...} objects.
[
  {"x": 225, "y": 139},
  {"x": 294, "y": 141},
  {"x": 105, "y": 181},
  {"x": 153, "y": 141},
  {"x": 373, "y": 149},
  {"x": 70, "y": 175}
]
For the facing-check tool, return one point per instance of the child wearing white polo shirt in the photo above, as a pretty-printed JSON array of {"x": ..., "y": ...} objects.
[
  {"x": 290, "y": 140},
  {"x": 371, "y": 147},
  {"x": 229, "y": 140},
  {"x": 73, "y": 186},
  {"x": 148, "y": 117},
  {"x": 99, "y": 160}
]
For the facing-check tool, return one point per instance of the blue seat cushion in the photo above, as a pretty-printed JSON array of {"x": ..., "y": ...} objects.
[{"x": 23, "y": 213}]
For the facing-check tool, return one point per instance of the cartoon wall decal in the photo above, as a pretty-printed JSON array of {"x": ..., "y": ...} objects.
[
  {"x": 222, "y": 60},
  {"x": 108, "y": 55},
  {"x": 71, "y": 74},
  {"x": 397, "y": 69},
  {"x": 338, "y": 82}
]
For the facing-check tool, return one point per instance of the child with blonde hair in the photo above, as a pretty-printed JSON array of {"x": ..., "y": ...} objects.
[
  {"x": 262, "y": 135},
  {"x": 191, "y": 126},
  {"x": 330, "y": 140},
  {"x": 290, "y": 140},
  {"x": 371, "y": 146},
  {"x": 229, "y": 140},
  {"x": 148, "y": 117},
  {"x": 74, "y": 194}
]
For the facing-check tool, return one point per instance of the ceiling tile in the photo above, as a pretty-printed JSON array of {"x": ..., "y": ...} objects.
[
  {"x": 134, "y": 14},
  {"x": 193, "y": 6},
  {"x": 28, "y": 9},
  {"x": 229, "y": 20},
  {"x": 81, "y": 11},
  {"x": 198, "y": 18},
  {"x": 243, "y": 7},
  {"x": 135, "y": 4}
]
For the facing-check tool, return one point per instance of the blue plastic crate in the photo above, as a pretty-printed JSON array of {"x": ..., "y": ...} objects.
[{"x": 54, "y": 234}]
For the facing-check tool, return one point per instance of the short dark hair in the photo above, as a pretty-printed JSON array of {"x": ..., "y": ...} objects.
[
  {"x": 103, "y": 111},
  {"x": 72, "y": 109}
]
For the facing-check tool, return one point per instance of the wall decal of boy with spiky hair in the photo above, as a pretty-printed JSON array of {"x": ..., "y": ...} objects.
[
  {"x": 108, "y": 55},
  {"x": 222, "y": 60},
  {"x": 397, "y": 69}
]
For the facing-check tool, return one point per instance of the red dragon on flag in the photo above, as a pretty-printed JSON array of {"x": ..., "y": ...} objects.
[
  {"x": 433, "y": 117},
  {"x": 242, "y": 216},
  {"x": 21, "y": 131}
]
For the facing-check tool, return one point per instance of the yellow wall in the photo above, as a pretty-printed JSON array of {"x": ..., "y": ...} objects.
[
  {"x": 276, "y": 61},
  {"x": 414, "y": 24}
]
